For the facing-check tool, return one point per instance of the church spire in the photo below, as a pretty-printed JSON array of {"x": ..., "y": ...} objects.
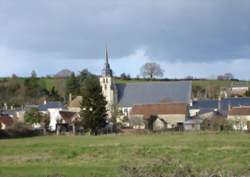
[
  {"x": 107, "y": 55},
  {"x": 106, "y": 70}
]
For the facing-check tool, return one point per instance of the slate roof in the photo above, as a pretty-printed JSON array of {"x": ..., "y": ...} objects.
[
  {"x": 225, "y": 103},
  {"x": 50, "y": 105},
  {"x": 130, "y": 94},
  {"x": 239, "y": 84},
  {"x": 162, "y": 108}
]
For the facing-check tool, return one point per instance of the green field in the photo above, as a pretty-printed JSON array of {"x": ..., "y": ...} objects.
[{"x": 74, "y": 156}]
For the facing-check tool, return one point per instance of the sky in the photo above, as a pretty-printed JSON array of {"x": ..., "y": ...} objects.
[{"x": 202, "y": 38}]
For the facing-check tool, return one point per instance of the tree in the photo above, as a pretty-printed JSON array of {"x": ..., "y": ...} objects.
[
  {"x": 72, "y": 85},
  {"x": 33, "y": 116},
  {"x": 52, "y": 95},
  {"x": 125, "y": 76},
  {"x": 33, "y": 74},
  {"x": 226, "y": 76},
  {"x": 32, "y": 87},
  {"x": 151, "y": 70},
  {"x": 93, "y": 106}
]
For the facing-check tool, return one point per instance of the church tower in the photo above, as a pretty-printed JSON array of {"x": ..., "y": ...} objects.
[{"x": 108, "y": 87}]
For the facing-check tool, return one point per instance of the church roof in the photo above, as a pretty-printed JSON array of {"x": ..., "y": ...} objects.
[{"x": 153, "y": 92}]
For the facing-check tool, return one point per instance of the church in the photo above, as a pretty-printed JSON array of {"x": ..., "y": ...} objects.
[{"x": 126, "y": 95}]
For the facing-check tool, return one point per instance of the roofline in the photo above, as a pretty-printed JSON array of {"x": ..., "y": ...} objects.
[{"x": 157, "y": 82}]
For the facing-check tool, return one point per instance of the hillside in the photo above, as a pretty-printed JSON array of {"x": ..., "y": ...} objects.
[{"x": 12, "y": 90}]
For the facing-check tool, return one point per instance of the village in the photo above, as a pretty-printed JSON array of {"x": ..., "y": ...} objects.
[
  {"x": 154, "y": 106},
  {"x": 124, "y": 88}
]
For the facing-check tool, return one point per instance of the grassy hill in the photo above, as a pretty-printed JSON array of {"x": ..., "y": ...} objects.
[{"x": 114, "y": 155}]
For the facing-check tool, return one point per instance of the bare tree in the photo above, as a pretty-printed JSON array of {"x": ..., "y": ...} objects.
[{"x": 151, "y": 70}]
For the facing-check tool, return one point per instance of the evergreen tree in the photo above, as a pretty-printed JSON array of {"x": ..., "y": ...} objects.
[
  {"x": 93, "y": 106},
  {"x": 52, "y": 95},
  {"x": 72, "y": 85},
  {"x": 32, "y": 86}
]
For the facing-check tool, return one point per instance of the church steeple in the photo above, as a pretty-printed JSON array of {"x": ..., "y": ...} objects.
[{"x": 106, "y": 70}]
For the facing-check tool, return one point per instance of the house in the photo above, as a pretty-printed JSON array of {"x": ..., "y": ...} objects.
[
  {"x": 125, "y": 95},
  {"x": 164, "y": 115},
  {"x": 52, "y": 110},
  {"x": 209, "y": 106},
  {"x": 240, "y": 116},
  {"x": 5, "y": 122},
  {"x": 239, "y": 88}
]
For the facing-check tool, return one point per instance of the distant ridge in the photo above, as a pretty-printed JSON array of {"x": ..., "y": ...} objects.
[{"x": 64, "y": 73}]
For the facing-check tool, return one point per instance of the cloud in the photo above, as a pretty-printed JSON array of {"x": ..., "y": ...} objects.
[
  {"x": 194, "y": 37},
  {"x": 169, "y": 30}
]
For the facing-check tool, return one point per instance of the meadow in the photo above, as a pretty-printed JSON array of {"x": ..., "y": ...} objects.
[{"x": 109, "y": 155}]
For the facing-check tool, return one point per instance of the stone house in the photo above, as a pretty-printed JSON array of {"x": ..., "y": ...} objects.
[
  {"x": 165, "y": 115},
  {"x": 240, "y": 117}
]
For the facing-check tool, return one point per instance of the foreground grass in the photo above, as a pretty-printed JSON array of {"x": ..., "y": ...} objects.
[{"x": 75, "y": 156}]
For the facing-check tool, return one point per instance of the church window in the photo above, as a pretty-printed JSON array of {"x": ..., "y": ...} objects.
[{"x": 105, "y": 87}]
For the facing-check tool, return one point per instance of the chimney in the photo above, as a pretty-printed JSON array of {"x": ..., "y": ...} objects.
[{"x": 70, "y": 98}]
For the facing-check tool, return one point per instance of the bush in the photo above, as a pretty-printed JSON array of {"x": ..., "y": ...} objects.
[{"x": 19, "y": 130}]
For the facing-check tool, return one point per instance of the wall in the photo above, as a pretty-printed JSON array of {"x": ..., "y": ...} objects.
[
  {"x": 170, "y": 119},
  {"x": 239, "y": 121}
]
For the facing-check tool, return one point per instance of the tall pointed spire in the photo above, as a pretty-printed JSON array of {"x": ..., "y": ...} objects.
[
  {"x": 107, "y": 55},
  {"x": 106, "y": 70}
]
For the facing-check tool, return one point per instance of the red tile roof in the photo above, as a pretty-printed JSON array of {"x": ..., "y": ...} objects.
[
  {"x": 162, "y": 108},
  {"x": 8, "y": 121},
  {"x": 242, "y": 111}
]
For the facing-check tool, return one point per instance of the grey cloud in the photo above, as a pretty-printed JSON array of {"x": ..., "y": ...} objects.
[{"x": 193, "y": 30}]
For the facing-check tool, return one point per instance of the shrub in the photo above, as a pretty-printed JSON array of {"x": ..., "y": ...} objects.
[{"x": 19, "y": 130}]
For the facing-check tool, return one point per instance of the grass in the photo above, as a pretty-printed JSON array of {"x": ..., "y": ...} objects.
[{"x": 75, "y": 156}]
